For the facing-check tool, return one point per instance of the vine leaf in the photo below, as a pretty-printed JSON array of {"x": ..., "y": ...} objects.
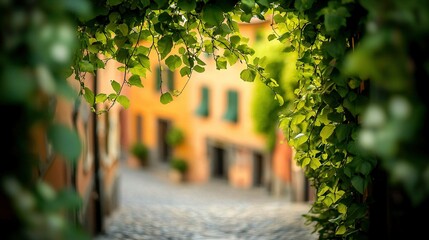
[
  {"x": 248, "y": 75},
  {"x": 358, "y": 183},
  {"x": 88, "y": 95},
  {"x": 187, "y": 5},
  {"x": 65, "y": 141},
  {"x": 315, "y": 163},
  {"x": 165, "y": 44},
  {"x": 247, "y": 5},
  {"x": 173, "y": 62},
  {"x": 114, "y": 2},
  {"x": 335, "y": 18},
  {"x": 166, "y": 98},
  {"x": 124, "y": 101},
  {"x": 327, "y": 132},
  {"x": 144, "y": 61},
  {"x": 221, "y": 63},
  {"x": 101, "y": 97},
  {"x": 116, "y": 86},
  {"x": 280, "y": 99},
  {"x": 299, "y": 139},
  {"x": 212, "y": 15},
  {"x": 341, "y": 230},
  {"x": 135, "y": 81}
]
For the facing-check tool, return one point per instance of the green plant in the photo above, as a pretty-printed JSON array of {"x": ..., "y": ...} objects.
[
  {"x": 140, "y": 151},
  {"x": 179, "y": 164},
  {"x": 174, "y": 136}
]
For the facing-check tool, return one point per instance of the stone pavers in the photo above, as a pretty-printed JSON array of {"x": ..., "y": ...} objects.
[{"x": 151, "y": 207}]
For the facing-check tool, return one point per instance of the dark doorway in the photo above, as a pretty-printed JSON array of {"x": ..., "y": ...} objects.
[
  {"x": 164, "y": 150},
  {"x": 258, "y": 169},
  {"x": 218, "y": 163}
]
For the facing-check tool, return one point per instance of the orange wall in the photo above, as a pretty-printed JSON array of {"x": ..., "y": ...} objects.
[{"x": 181, "y": 112}]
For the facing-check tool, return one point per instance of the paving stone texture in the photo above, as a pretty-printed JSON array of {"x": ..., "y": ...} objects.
[{"x": 153, "y": 207}]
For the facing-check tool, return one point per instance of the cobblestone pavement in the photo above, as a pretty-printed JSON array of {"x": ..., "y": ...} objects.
[{"x": 151, "y": 207}]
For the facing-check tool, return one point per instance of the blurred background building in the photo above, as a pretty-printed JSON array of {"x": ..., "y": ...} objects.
[{"x": 213, "y": 114}]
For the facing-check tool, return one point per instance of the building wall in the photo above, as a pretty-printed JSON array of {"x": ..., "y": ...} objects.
[
  {"x": 214, "y": 148},
  {"x": 61, "y": 174},
  {"x": 238, "y": 138}
]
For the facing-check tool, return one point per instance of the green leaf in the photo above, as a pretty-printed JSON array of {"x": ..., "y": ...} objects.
[
  {"x": 112, "y": 96},
  {"x": 264, "y": 3},
  {"x": 173, "y": 62},
  {"x": 166, "y": 98},
  {"x": 122, "y": 55},
  {"x": 116, "y": 86},
  {"x": 315, "y": 163},
  {"x": 336, "y": 117},
  {"x": 212, "y": 15},
  {"x": 185, "y": 71},
  {"x": 341, "y": 230},
  {"x": 335, "y": 18},
  {"x": 248, "y": 75},
  {"x": 114, "y": 2},
  {"x": 302, "y": 5},
  {"x": 124, "y": 101},
  {"x": 135, "y": 81},
  {"x": 89, "y": 96},
  {"x": 271, "y": 37},
  {"x": 342, "y": 208},
  {"x": 144, "y": 61},
  {"x": 354, "y": 83},
  {"x": 161, "y": 3},
  {"x": 221, "y": 63},
  {"x": 164, "y": 45},
  {"x": 123, "y": 28},
  {"x": 235, "y": 39},
  {"x": 299, "y": 139},
  {"x": 138, "y": 70},
  {"x": 328, "y": 201},
  {"x": 364, "y": 167},
  {"x": 358, "y": 183},
  {"x": 279, "y": 99},
  {"x": 232, "y": 58},
  {"x": 327, "y": 131},
  {"x": 86, "y": 66},
  {"x": 145, "y": 3},
  {"x": 187, "y": 5},
  {"x": 247, "y": 5},
  {"x": 199, "y": 68},
  {"x": 298, "y": 118},
  {"x": 342, "y": 132},
  {"x": 306, "y": 161},
  {"x": 100, "y": 98},
  {"x": 356, "y": 211},
  {"x": 65, "y": 141},
  {"x": 100, "y": 37}
]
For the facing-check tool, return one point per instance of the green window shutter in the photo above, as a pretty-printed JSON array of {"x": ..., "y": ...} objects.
[
  {"x": 158, "y": 78},
  {"x": 231, "y": 114},
  {"x": 170, "y": 80},
  {"x": 203, "y": 109}
]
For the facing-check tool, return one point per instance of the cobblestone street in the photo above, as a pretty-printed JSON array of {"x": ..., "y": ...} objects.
[{"x": 152, "y": 207}]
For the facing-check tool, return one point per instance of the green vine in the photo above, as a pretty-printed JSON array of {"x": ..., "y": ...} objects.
[{"x": 359, "y": 104}]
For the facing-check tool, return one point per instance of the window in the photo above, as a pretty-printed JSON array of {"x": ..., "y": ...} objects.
[
  {"x": 231, "y": 114},
  {"x": 139, "y": 127},
  {"x": 164, "y": 79},
  {"x": 203, "y": 109}
]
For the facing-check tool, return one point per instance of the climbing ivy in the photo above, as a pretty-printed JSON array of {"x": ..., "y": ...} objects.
[
  {"x": 358, "y": 105},
  {"x": 359, "y": 101}
]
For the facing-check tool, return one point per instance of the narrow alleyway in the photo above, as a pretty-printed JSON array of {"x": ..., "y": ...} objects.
[{"x": 152, "y": 207}]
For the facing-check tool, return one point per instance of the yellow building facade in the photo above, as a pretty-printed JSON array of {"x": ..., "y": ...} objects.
[{"x": 214, "y": 113}]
